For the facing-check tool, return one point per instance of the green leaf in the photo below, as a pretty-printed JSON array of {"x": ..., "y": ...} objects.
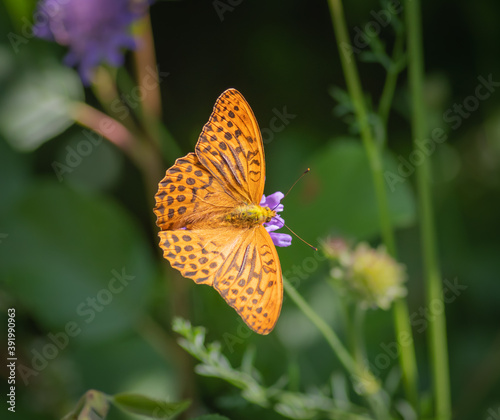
[
  {"x": 339, "y": 194},
  {"x": 92, "y": 404},
  {"x": 139, "y": 404},
  {"x": 78, "y": 263},
  {"x": 37, "y": 106},
  {"x": 211, "y": 417},
  {"x": 337, "y": 197}
]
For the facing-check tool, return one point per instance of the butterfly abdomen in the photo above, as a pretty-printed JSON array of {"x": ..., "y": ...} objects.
[{"x": 249, "y": 215}]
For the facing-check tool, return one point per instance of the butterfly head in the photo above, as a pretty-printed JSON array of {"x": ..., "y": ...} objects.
[{"x": 268, "y": 214}]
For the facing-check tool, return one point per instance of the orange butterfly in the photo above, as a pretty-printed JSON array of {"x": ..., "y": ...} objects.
[{"x": 213, "y": 215}]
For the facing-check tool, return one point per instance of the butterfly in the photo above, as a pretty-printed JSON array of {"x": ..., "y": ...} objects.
[{"x": 208, "y": 207}]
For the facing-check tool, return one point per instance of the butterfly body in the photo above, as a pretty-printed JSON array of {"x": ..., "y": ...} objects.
[
  {"x": 212, "y": 224},
  {"x": 250, "y": 215}
]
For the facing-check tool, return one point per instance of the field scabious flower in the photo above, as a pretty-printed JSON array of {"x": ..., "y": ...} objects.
[
  {"x": 273, "y": 202},
  {"x": 376, "y": 276},
  {"x": 371, "y": 276},
  {"x": 95, "y": 31}
]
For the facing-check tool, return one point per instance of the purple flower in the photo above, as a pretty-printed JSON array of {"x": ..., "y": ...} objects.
[
  {"x": 95, "y": 31},
  {"x": 273, "y": 202}
]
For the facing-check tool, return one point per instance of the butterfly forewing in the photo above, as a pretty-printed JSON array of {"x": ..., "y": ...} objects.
[
  {"x": 230, "y": 147},
  {"x": 189, "y": 195}
]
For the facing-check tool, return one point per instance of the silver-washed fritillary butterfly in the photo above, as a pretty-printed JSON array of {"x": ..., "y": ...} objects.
[{"x": 208, "y": 208}]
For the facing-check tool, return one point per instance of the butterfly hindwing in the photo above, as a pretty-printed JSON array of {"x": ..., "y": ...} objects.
[
  {"x": 197, "y": 254},
  {"x": 242, "y": 265},
  {"x": 230, "y": 147},
  {"x": 250, "y": 280}
]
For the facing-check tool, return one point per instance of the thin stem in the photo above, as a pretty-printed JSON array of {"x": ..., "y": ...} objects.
[
  {"x": 407, "y": 358},
  {"x": 109, "y": 128},
  {"x": 139, "y": 152},
  {"x": 169, "y": 148},
  {"x": 158, "y": 339},
  {"x": 145, "y": 68},
  {"x": 438, "y": 346},
  {"x": 105, "y": 90},
  {"x": 359, "y": 349},
  {"x": 330, "y": 336},
  {"x": 149, "y": 78},
  {"x": 355, "y": 92},
  {"x": 391, "y": 79},
  {"x": 368, "y": 383}
]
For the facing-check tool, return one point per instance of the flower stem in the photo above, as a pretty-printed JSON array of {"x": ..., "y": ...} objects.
[
  {"x": 109, "y": 128},
  {"x": 330, "y": 336},
  {"x": 438, "y": 346},
  {"x": 138, "y": 151},
  {"x": 357, "y": 371},
  {"x": 407, "y": 358},
  {"x": 105, "y": 90},
  {"x": 390, "y": 80},
  {"x": 145, "y": 68},
  {"x": 357, "y": 332},
  {"x": 356, "y": 94},
  {"x": 148, "y": 82}
]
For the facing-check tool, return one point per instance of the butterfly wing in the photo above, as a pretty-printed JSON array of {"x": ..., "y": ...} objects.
[
  {"x": 227, "y": 170},
  {"x": 242, "y": 265},
  {"x": 250, "y": 280},
  {"x": 189, "y": 195},
  {"x": 230, "y": 147}
]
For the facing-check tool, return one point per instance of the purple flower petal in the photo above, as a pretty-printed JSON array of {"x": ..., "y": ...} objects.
[
  {"x": 277, "y": 222},
  {"x": 95, "y": 31},
  {"x": 281, "y": 239},
  {"x": 273, "y": 202}
]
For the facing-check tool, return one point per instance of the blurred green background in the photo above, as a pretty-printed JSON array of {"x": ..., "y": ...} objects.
[{"x": 64, "y": 239}]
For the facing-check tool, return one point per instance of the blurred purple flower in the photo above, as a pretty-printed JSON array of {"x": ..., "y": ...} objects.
[
  {"x": 273, "y": 202},
  {"x": 95, "y": 31}
]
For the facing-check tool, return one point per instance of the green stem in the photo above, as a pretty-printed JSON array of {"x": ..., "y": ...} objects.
[
  {"x": 357, "y": 371},
  {"x": 330, "y": 336},
  {"x": 390, "y": 80},
  {"x": 438, "y": 346},
  {"x": 148, "y": 80},
  {"x": 104, "y": 87},
  {"x": 152, "y": 127},
  {"x": 356, "y": 94},
  {"x": 359, "y": 352},
  {"x": 357, "y": 332},
  {"x": 407, "y": 358},
  {"x": 146, "y": 73}
]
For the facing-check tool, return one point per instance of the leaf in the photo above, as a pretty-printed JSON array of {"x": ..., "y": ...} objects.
[
  {"x": 92, "y": 404},
  {"x": 216, "y": 364},
  {"x": 339, "y": 193},
  {"x": 139, "y": 404},
  {"x": 37, "y": 106},
  {"x": 211, "y": 417},
  {"x": 78, "y": 263},
  {"x": 338, "y": 197}
]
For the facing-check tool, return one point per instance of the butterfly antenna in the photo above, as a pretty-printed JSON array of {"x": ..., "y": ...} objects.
[
  {"x": 290, "y": 189},
  {"x": 298, "y": 237},
  {"x": 298, "y": 179},
  {"x": 293, "y": 185}
]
